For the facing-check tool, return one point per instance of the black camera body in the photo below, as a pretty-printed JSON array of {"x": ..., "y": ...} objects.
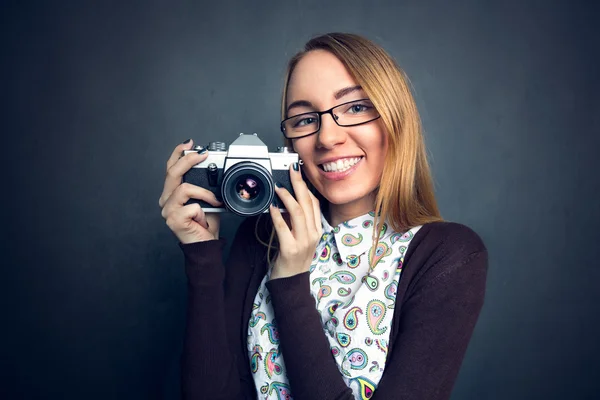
[{"x": 243, "y": 176}]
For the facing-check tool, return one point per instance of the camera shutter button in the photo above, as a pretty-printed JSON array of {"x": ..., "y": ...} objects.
[{"x": 213, "y": 174}]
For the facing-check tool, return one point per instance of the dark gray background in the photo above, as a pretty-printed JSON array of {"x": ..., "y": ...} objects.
[{"x": 96, "y": 96}]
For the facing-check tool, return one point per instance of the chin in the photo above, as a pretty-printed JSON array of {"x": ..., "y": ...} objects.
[
  {"x": 341, "y": 196},
  {"x": 341, "y": 193}
]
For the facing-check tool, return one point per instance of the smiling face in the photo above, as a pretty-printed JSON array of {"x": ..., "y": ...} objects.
[{"x": 343, "y": 163}]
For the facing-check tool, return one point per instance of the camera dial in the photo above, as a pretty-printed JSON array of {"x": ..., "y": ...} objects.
[{"x": 217, "y": 146}]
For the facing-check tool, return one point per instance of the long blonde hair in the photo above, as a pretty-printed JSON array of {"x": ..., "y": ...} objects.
[{"x": 405, "y": 195}]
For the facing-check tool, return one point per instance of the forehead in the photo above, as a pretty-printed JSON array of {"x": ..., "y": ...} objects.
[{"x": 316, "y": 77}]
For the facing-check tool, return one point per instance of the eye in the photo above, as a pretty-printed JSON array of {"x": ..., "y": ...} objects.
[
  {"x": 300, "y": 122},
  {"x": 359, "y": 108}
]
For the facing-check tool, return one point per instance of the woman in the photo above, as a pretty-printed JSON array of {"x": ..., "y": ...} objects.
[{"x": 363, "y": 292}]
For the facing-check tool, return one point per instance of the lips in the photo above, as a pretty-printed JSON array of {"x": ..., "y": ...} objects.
[
  {"x": 340, "y": 165},
  {"x": 342, "y": 174}
]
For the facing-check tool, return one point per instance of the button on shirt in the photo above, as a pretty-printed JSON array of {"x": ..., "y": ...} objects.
[{"x": 354, "y": 286}]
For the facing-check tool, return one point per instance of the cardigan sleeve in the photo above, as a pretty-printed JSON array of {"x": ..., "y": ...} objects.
[
  {"x": 311, "y": 369},
  {"x": 209, "y": 362}
]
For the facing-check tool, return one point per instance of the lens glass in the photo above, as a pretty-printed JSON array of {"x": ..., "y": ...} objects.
[{"x": 247, "y": 187}]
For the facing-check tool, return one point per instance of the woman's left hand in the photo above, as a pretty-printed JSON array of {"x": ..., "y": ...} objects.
[{"x": 296, "y": 245}]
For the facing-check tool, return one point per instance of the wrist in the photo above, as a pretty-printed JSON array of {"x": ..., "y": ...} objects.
[
  {"x": 281, "y": 270},
  {"x": 277, "y": 273}
]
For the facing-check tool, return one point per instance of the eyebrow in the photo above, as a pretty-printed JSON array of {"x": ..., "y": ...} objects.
[
  {"x": 343, "y": 92},
  {"x": 337, "y": 95}
]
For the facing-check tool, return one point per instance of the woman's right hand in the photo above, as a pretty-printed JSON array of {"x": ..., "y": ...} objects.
[{"x": 189, "y": 223}]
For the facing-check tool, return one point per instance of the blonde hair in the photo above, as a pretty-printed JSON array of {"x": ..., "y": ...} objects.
[{"x": 405, "y": 195}]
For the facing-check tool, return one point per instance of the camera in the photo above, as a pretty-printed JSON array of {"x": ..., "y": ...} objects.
[{"x": 242, "y": 176}]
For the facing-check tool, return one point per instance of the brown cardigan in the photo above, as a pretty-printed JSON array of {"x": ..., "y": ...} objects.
[{"x": 439, "y": 297}]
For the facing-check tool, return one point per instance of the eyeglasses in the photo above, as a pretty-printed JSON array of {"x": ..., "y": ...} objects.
[{"x": 352, "y": 113}]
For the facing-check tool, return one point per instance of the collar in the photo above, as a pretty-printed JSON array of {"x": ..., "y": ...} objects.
[{"x": 353, "y": 237}]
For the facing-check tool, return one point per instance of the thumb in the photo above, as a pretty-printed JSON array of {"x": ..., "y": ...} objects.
[{"x": 214, "y": 223}]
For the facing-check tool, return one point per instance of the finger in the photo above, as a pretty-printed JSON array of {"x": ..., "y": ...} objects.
[
  {"x": 176, "y": 172},
  {"x": 287, "y": 219},
  {"x": 296, "y": 212},
  {"x": 302, "y": 196},
  {"x": 316, "y": 213},
  {"x": 176, "y": 155},
  {"x": 185, "y": 192},
  {"x": 284, "y": 235},
  {"x": 214, "y": 221},
  {"x": 191, "y": 212}
]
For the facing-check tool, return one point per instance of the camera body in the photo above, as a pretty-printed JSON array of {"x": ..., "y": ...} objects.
[{"x": 242, "y": 176}]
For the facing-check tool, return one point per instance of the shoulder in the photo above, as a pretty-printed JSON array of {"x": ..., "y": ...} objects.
[
  {"x": 439, "y": 248},
  {"x": 452, "y": 235}
]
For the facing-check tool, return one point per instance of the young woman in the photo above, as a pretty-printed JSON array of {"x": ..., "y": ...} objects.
[{"x": 362, "y": 291}]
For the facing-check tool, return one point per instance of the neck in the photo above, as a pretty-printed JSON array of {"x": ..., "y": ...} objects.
[{"x": 339, "y": 213}]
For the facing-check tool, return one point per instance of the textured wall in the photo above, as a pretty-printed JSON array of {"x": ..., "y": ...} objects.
[{"x": 95, "y": 97}]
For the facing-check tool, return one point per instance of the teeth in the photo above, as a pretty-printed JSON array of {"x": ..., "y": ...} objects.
[{"x": 340, "y": 165}]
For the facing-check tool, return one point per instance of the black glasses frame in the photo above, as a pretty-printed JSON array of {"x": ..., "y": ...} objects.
[{"x": 320, "y": 113}]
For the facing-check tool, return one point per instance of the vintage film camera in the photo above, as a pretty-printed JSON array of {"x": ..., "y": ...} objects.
[{"x": 243, "y": 176}]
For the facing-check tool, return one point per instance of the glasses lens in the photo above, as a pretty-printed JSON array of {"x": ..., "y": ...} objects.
[
  {"x": 301, "y": 125},
  {"x": 356, "y": 112}
]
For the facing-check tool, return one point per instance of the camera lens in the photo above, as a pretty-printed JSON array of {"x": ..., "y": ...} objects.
[{"x": 247, "y": 188}]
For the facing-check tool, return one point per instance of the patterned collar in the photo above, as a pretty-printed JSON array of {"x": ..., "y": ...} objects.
[{"x": 353, "y": 237}]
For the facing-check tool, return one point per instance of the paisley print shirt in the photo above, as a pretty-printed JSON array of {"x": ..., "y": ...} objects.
[{"x": 354, "y": 286}]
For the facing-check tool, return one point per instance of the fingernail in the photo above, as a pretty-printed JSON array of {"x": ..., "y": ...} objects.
[
  {"x": 202, "y": 150},
  {"x": 187, "y": 141},
  {"x": 278, "y": 184},
  {"x": 295, "y": 165}
]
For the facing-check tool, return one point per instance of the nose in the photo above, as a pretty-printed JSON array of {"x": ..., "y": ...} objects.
[{"x": 330, "y": 134}]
